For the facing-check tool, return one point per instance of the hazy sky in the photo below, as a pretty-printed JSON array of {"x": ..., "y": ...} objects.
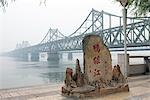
[{"x": 26, "y": 20}]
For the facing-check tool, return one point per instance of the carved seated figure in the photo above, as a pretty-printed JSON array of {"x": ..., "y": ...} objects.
[
  {"x": 74, "y": 80},
  {"x": 117, "y": 75},
  {"x": 69, "y": 82}
]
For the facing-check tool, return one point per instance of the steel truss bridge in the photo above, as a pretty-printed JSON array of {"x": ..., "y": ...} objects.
[{"x": 108, "y": 26}]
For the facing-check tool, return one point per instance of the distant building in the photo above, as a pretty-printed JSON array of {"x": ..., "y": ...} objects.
[{"x": 22, "y": 45}]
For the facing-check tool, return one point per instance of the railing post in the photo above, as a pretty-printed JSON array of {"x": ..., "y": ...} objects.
[
  {"x": 120, "y": 30},
  {"x": 93, "y": 20},
  {"x": 149, "y": 26},
  {"x": 110, "y": 27},
  {"x": 102, "y": 23},
  {"x": 102, "y": 12}
]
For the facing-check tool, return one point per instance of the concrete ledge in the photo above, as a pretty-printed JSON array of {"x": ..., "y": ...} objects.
[{"x": 137, "y": 69}]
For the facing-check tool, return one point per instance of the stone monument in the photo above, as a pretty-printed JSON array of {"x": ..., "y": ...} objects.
[{"x": 98, "y": 76}]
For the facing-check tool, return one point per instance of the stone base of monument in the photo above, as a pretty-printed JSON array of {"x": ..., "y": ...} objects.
[
  {"x": 98, "y": 76},
  {"x": 88, "y": 91}
]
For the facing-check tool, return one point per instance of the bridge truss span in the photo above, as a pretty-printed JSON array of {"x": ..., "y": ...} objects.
[{"x": 108, "y": 26}]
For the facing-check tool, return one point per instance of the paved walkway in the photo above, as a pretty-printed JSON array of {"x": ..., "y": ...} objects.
[{"x": 139, "y": 90}]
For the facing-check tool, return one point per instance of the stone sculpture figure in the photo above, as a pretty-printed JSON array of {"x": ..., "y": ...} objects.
[
  {"x": 69, "y": 82},
  {"x": 98, "y": 76},
  {"x": 117, "y": 75},
  {"x": 78, "y": 76}
]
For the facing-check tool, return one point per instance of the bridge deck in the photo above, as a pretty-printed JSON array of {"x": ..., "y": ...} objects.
[
  {"x": 139, "y": 56},
  {"x": 139, "y": 89}
]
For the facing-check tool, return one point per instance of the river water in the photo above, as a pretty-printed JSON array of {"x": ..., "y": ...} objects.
[{"x": 19, "y": 73}]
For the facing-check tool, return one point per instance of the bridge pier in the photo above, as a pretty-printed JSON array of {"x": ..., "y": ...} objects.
[
  {"x": 147, "y": 63},
  {"x": 70, "y": 56},
  {"x": 23, "y": 56},
  {"x": 33, "y": 56},
  {"x": 53, "y": 56},
  {"x": 43, "y": 56},
  {"x": 61, "y": 55},
  {"x": 29, "y": 57}
]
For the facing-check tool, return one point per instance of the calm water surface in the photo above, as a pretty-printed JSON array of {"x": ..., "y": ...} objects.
[{"x": 19, "y": 73}]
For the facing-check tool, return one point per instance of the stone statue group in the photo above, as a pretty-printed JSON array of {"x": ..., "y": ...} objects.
[{"x": 98, "y": 76}]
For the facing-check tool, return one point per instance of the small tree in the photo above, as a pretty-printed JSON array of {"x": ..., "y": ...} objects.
[{"x": 139, "y": 7}]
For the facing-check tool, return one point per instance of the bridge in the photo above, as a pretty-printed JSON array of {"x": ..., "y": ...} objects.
[{"x": 108, "y": 26}]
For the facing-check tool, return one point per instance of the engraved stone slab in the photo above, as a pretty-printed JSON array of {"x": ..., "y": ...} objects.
[{"x": 97, "y": 59}]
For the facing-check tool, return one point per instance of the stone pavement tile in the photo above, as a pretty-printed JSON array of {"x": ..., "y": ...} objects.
[
  {"x": 139, "y": 91},
  {"x": 0, "y": 97},
  {"x": 147, "y": 84},
  {"x": 136, "y": 78},
  {"x": 148, "y": 98},
  {"x": 138, "y": 83},
  {"x": 27, "y": 92},
  {"x": 28, "y": 88},
  {"x": 9, "y": 94},
  {"x": 116, "y": 96},
  {"x": 14, "y": 94},
  {"x": 5, "y": 95},
  {"x": 139, "y": 97},
  {"x": 54, "y": 97},
  {"x": 25, "y": 97}
]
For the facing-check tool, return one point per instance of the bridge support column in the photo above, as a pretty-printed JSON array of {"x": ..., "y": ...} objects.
[
  {"x": 121, "y": 62},
  {"x": 53, "y": 57},
  {"x": 33, "y": 56},
  {"x": 22, "y": 56},
  {"x": 29, "y": 57},
  {"x": 147, "y": 64},
  {"x": 61, "y": 55},
  {"x": 70, "y": 56},
  {"x": 43, "y": 56}
]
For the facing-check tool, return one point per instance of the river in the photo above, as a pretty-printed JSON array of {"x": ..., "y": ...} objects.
[{"x": 19, "y": 73}]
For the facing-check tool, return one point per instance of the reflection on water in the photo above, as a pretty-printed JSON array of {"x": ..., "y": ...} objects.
[
  {"x": 53, "y": 77},
  {"x": 18, "y": 73}
]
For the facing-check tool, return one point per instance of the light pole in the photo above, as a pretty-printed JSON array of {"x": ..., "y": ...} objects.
[
  {"x": 124, "y": 3},
  {"x": 125, "y": 43}
]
